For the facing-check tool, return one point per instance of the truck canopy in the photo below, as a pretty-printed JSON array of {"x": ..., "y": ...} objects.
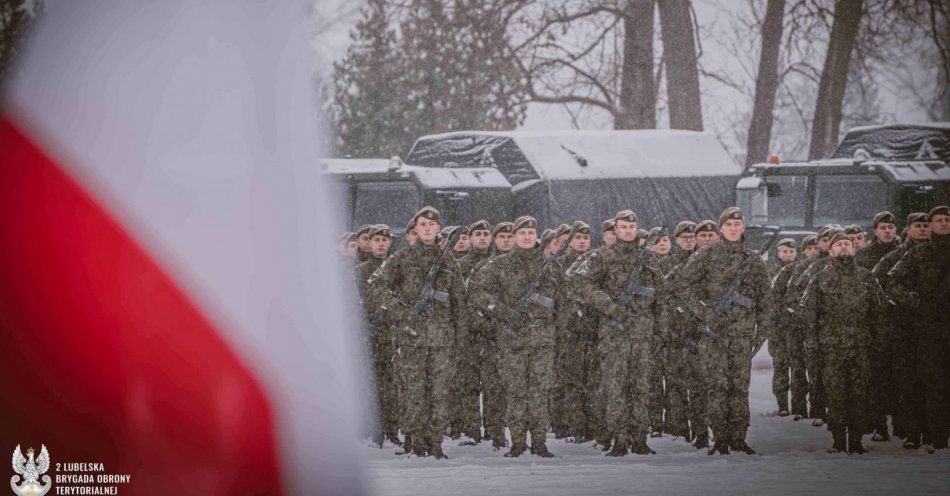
[{"x": 929, "y": 141}]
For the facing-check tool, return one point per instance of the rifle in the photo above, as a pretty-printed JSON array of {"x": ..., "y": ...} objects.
[
  {"x": 633, "y": 288},
  {"x": 724, "y": 305},
  {"x": 422, "y": 304},
  {"x": 530, "y": 295}
]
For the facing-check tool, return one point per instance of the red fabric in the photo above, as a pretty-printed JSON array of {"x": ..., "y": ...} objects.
[{"x": 104, "y": 358}]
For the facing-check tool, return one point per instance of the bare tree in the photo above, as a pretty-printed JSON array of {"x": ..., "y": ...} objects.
[
  {"x": 637, "y": 89},
  {"x": 766, "y": 84},
  {"x": 682, "y": 73}
]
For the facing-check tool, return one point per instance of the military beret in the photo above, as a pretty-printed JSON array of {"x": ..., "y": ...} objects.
[
  {"x": 917, "y": 217},
  {"x": 939, "y": 210},
  {"x": 823, "y": 231},
  {"x": 579, "y": 227},
  {"x": 364, "y": 228},
  {"x": 707, "y": 225},
  {"x": 427, "y": 212},
  {"x": 626, "y": 215},
  {"x": 547, "y": 237},
  {"x": 411, "y": 225},
  {"x": 656, "y": 234},
  {"x": 447, "y": 232},
  {"x": 380, "y": 230},
  {"x": 347, "y": 236},
  {"x": 731, "y": 213},
  {"x": 642, "y": 234},
  {"x": 810, "y": 240},
  {"x": 839, "y": 236},
  {"x": 685, "y": 227},
  {"x": 789, "y": 242},
  {"x": 607, "y": 225},
  {"x": 479, "y": 225},
  {"x": 525, "y": 222},
  {"x": 834, "y": 231},
  {"x": 502, "y": 227},
  {"x": 563, "y": 229},
  {"x": 884, "y": 216},
  {"x": 853, "y": 229}
]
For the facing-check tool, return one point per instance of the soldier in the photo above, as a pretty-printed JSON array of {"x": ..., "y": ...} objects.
[
  {"x": 884, "y": 228},
  {"x": 426, "y": 330},
  {"x": 411, "y": 235},
  {"x": 607, "y": 233},
  {"x": 346, "y": 247},
  {"x": 778, "y": 347},
  {"x": 479, "y": 233},
  {"x": 786, "y": 252},
  {"x": 527, "y": 338},
  {"x": 857, "y": 236},
  {"x": 921, "y": 281},
  {"x": 707, "y": 233},
  {"x": 560, "y": 236},
  {"x": 786, "y": 342},
  {"x": 730, "y": 337},
  {"x": 841, "y": 308},
  {"x": 642, "y": 236},
  {"x": 661, "y": 248},
  {"x": 684, "y": 377},
  {"x": 463, "y": 244},
  {"x": 659, "y": 244},
  {"x": 362, "y": 243},
  {"x": 626, "y": 330},
  {"x": 548, "y": 243}
]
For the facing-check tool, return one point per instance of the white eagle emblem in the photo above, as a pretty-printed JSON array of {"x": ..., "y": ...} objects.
[{"x": 31, "y": 471}]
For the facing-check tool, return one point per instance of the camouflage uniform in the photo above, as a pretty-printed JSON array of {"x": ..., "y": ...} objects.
[
  {"x": 624, "y": 337},
  {"x": 425, "y": 355},
  {"x": 786, "y": 345},
  {"x": 841, "y": 309},
  {"x": 526, "y": 344},
  {"x": 921, "y": 281},
  {"x": 589, "y": 321},
  {"x": 729, "y": 340},
  {"x": 684, "y": 379},
  {"x": 573, "y": 331}
]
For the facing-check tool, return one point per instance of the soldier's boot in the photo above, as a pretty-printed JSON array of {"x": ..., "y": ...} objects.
[
  {"x": 702, "y": 440},
  {"x": 619, "y": 447},
  {"x": 721, "y": 445},
  {"x": 740, "y": 445},
  {"x": 420, "y": 448},
  {"x": 436, "y": 451},
  {"x": 838, "y": 440},
  {"x": 515, "y": 451},
  {"x": 854, "y": 444},
  {"x": 880, "y": 431},
  {"x": 912, "y": 442},
  {"x": 393, "y": 437},
  {"x": 498, "y": 438},
  {"x": 639, "y": 446},
  {"x": 540, "y": 448},
  {"x": 817, "y": 422},
  {"x": 474, "y": 434},
  {"x": 782, "y": 408},
  {"x": 682, "y": 430}
]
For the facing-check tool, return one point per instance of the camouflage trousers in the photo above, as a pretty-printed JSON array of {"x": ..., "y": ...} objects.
[
  {"x": 569, "y": 397},
  {"x": 659, "y": 371},
  {"x": 425, "y": 378},
  {"x": 494, "y": 396},
  {"x": 788, "y": 371},
  {"x": 728, "y": 367},
  {"x": 626, "y": 384},
  {"x": 596, "y": 401},
  {"x": 846, "y": 376},
  {"x": 686, "y": 391},
  {"x": 528, "y": 373},
  {"x": 466, "y": 389},
  {"x": 384, "y": 380}
]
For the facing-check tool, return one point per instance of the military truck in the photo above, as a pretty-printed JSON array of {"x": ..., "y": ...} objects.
[
  {"x": 903, "y": 168},
  {"x": 559, "y": 176}
]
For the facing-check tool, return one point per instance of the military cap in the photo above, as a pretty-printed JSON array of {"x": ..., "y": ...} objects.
[
  {"x": 939, "y": 210},
  {"x": 656, "y": 234},
  {"x": 347, "y": 236},
  {"x": 687, "y": 227},
  {"x": 731, "y": 213},
  {"x": 626, "y": 215},
  {"x": 479, "y": 225},
  {"x": 503, "y": 227},
  {"x": 834, "y": 231},
  {"x": 447, "y": 232},
  {"x": 823, "y": 231},
  {"x": 427, "y": 212},
  {"x": 810, "y": 240},
  {"x": 579, "y": 227},
  {"x": 547, "y": 237},
  {"x": 917, "y": 217},
  {"x": 563, "y": 229},
  {"x": 642, "y": 234},
  {"x": 789, "y": 242},
  {"x": 853, "y": 229},
  {"x": 411, "y": 225},
  {"x": 839, "y": 236},
  {"x": 380, "y": 230},
  {"x": 607, "y": 225},
  {"x": 884, "y": 216},
  {"x": 707, "y": 225},
  {"x": 525, "y": 222},
  {"x": 364, "y": 228}
]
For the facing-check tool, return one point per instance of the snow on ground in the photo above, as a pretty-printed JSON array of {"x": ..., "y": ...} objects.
[{"x": 791, "y": 459}]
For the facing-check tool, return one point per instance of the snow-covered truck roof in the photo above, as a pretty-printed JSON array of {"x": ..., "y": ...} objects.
[
  {"x": 926, "y": 141},
  {"x": 578, "y": 155}
]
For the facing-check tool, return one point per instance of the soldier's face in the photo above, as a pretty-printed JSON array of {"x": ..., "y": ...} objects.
[
  {"x": 662, "y": 247},
  {"x": 885, "y": 232},
  {"x": 351, "y": 248},
  {"x": 480, "y": 239},
  {"x": 504, "y": 241},
  {"x": 858, "y": 240},
  {"x": 686, "y": 241},
  {"x": 706, "y": 238},
  {"x": 842, "y": 247},
  {"x": 786, "y": 254},
  {"x": 940, "y": 224},
  {"x": 362, "y": 242},
  {"x": 526, "y": 237},
  {"x": 463, "y": 244},
  {"x": 732, "y": 229},
  {"x": 626, "y": 230},
  {"x": 379, "y": 245},
  {"x": 823, "y": 243},
  {"x": 919, "y": 231},
  {"x": 810, "y": 251},
  {"x": 427, "y": 229},
  {"x": 609, "y": 237},
  {"x": 580, "y": 243}
]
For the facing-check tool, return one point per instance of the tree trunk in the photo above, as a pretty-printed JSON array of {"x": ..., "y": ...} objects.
[
  {"x": 834, "y": 78},
  {"x": 682, "y": 71},
  {"x": 766, "y": 82},
  {"x": 637, "y": 94}
]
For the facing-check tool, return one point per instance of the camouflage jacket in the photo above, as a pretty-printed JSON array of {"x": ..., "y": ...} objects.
[
  {"x": 889, "y": 260},
  {"x": 871, "y": 254},
  {"x": 469, "y": 261},
  {"x": 924, "y": 271},
  {"x": 602, "y": 278},
  {"x": 794, "y": 291},
  {"x": 496, "y": 288},
  {"x": 843, "y": 309},
  {"x": 361, "y": 274},
  {"x": 707, "y": 275},
  {"x": 398, "y": 282}
]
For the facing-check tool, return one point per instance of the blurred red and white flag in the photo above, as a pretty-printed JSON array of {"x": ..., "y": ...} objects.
[{"x": 164, "y": 306}]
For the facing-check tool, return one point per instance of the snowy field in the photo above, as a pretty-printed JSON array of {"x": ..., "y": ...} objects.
[{"x": 791, "y": 459}]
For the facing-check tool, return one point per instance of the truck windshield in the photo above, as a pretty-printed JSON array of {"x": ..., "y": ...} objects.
[
  {"x": 786, "y": 200},
  {"x": 391, "y": 203},
  {"x": 848, "y": 199}
]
